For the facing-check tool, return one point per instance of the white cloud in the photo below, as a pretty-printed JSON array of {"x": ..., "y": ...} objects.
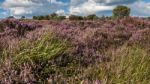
[
  {"x": 89, "y": 7},
  {"x": 140, "y": 8},
  {"x": 17, "y": 3},
  {"x": 20, "y": 11},
  {"x": 31, "y": 7},
  {"x": 77, "y": 7},
  {"x": 57, "y": 2},
  {"x": 85, "y": 7},
  {"x": 110, "y": 2},
  {"x": 60, "y": 12},
  {"x": 77, "y": 2}
]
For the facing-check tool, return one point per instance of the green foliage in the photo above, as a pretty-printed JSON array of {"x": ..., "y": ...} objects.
[
  {"x": 41, "y": 52},
  {"x": 148, "y": 18},
  {"x": 61, "y": 17},
  {"x": 10, "y": 17},
  {"x": 2, "y": 25},
  {"x": 23, "y": 17},
  {"x": 75, "y": 17},
  {"x": 44, "y": 57},
  {"x": 46, "y": 17},
  {"x": 46, "y": 48},
  {"x": 129, "y": 65},
  {"x": 92, "y": 17},
  {"x": 34, "y": 17},
  {"x": 52, "y": 16},
  {"x": 121, "y": 11}
]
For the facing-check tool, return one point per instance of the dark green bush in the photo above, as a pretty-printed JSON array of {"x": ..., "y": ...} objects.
[
  {"x": 148, "y": 18},
  {"x": 34, "y": 17},
  {"x": 121, "y": 11},
  {"x": 53, "y": 15},
  {"x": 10, "y": 17},
  {"x": 46, "y": 17},
  {"x": 23, "y": 17},
  {"x": 61, "y": 18},
  {"x": 75, "y": 17},
  {"x": 92, "y": 17}
]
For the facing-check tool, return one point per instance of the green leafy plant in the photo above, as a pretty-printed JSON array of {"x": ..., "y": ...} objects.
[{"x": 121, "y": 11}]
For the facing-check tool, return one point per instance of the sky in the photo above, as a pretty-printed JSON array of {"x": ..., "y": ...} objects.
[{"x": 31, "y": 8}]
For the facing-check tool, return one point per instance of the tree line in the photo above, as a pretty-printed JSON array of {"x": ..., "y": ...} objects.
[{"x": 118, "y": 12}]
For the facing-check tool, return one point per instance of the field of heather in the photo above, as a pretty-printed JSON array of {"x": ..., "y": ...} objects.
[{"x": 108, "y": 51}]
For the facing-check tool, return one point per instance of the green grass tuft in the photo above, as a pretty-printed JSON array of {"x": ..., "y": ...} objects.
[
  {"x": 129, "y": 65},
  {"x": 45, "y": 48}
]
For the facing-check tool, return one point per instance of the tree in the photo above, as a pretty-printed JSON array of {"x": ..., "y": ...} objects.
[
  {"x": 53, "y": 16},
  {"x": 40, "y": 17},
  {"x": 34, "y": 17},
  {"x": 75, "y": 17},
  {"x": 46, "y": 17},
  {"x": 91, "y": 17},
  {"x": 148, "y": 18},
  {"x": 61, "y": 17},
  {"x": 23, "y": 17},
  {"x": 11, "y": 17},
  {"x": 121, "y": 11},
  {"x": 80, "y": 18}
]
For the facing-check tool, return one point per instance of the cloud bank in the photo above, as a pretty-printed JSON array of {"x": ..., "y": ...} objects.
[{"x": 30, "y": 8}]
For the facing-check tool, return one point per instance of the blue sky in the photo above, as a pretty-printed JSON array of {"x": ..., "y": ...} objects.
[{"x": 31, "y": 8}]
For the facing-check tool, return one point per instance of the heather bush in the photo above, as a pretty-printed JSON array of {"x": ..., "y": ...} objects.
[
  {"x": 141, "y": 37},
  {"x": 19, "y": 26},
  {"x": 74, "y": 52}
]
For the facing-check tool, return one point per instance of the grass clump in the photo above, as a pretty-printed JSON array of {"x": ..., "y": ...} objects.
[
  {"x": 129, "y": 65},
  {"x": 45, "y": 48},
  {"x": 41, "y": 56}
]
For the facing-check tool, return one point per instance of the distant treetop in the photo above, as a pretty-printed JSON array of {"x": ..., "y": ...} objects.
[{"x": 121, "y": 11}]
